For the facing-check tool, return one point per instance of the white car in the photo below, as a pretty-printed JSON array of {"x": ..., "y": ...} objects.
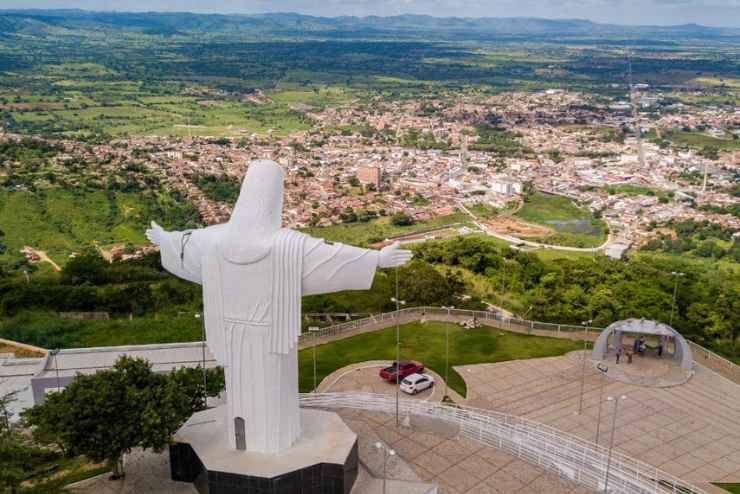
[{"x": 416, "y": 383}]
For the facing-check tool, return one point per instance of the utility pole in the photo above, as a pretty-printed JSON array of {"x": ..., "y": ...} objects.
[
  {"x": 675, "y": 275},
  {"x": 586, "y": 324},
  {"x": 447, "y": 348},
  {"x": 399, "y": 303},
  {"x": 315, "y": 330},
  {"x": 603, "y": 369},
  {"x": 611, "y": 442},
  {"x": 199, "y": 316}
]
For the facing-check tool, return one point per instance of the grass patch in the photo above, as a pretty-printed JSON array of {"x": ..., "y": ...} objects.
[
  {"x": 362, "y": 234},
  {"x": 699, "y": 140},
  {"x": 58, "y": 472},
  {"x": 734, "y": 487},
  {"x": 574, "y": 226},
  {"x": 63, "y": 221},
  {"x": 426, "y": 343},
  {"x": 47, "y": 330}
]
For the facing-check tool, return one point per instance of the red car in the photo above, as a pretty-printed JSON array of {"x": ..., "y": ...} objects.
[{"x": 407, "y": 368}]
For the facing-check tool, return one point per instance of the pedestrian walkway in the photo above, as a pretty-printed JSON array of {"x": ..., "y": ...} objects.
[{"x": 691, "y": 431}]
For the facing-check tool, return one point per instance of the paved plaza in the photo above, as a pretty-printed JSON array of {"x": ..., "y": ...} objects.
[
  {"x": 690, "y": 430},
  {"x": 455, "y": 465}
]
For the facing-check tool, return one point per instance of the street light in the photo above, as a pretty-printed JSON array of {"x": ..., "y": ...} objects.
[
  {"x": 398, "y": 303},
  {"x": 503, "y": 279},
  {"x": 203, "y": 356},
  {"x": 603, "y": 369},
  {"x": 315, "y": 330},
  {"x": 447, "y": 346},
  {"x": 586, "y": 324},
  {"x": 675, "y": 275},
  {"x": 387, "y": 454},
  {"x": 616, "y": 401}
]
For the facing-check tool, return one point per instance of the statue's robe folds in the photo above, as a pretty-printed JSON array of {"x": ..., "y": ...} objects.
[{"x": 253, "y": 319}]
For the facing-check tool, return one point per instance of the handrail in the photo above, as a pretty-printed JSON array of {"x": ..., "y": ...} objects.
[
  {"x": 717, "y": 363},
  {"x": 567, "y": 455}
]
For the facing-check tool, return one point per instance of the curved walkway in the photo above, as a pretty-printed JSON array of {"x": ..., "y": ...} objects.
[
  {"x": 560, "y": 453},
  {"x": 690, "y": 431}
]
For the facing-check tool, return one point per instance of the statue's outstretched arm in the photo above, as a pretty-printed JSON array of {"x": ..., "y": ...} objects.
[
  {"x": 331, "y": 267},
  {"x": 180, "y": 251}
]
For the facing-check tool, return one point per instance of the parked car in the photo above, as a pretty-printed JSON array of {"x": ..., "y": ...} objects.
[
  {"x": 407, "y": 367},
  {"x": 416, "y": 382}
]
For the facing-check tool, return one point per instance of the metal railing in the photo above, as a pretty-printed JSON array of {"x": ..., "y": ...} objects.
[
  {"x": 568, "y": 456},
  {"x": 718, "y": 364},
  {"x": 414, "y": 313}
]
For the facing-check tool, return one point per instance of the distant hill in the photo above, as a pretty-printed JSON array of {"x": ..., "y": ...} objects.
[{"x": 88, "y": 23}]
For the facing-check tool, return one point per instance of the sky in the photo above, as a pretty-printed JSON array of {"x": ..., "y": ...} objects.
[{"x": 654, "y": 12}]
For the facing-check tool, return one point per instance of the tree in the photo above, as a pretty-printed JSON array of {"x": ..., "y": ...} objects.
[
  {"x": 421, "y": 284},
  {"x": 402, "y": 219},
  {"x": 106, "y": 414},
  {"x": 15, "y": 454}
]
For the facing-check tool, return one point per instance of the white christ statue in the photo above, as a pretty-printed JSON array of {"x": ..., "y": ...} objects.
[{"x": 254, "y": 273}]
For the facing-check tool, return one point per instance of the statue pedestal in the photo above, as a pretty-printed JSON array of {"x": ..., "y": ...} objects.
[{"x": 324, "y": 460}]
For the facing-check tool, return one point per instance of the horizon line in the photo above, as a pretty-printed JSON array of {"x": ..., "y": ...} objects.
[{"x": 408, "y": 14}]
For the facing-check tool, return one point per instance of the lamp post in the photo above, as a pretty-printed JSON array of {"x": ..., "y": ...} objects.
[
  {"x": 616, "y": 401},
  {"x": 586, "y": 324},
  {"x": 387, "y": 454},
  {"x": 315, "y": 330},
  {"x": 447, "y": 347},
  {"x": 675, "y": 275},
  {"x": 603, "y": 369},
  {"x": 203, "y": 357},
  {"x": 503, "y": 279},
  {"x": 398, "y": 303}
]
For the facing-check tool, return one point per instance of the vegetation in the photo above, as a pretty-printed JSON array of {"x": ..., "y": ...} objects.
[
  {"x": 603, "y": 290},
  {"x": 574, "y": 226},
  {"x": 733, "y": 488},
  {"x": 698, "y": 238},
  {"x": 426, "y": 343},
  {"x": 106, "y": 414},
  {"x": 363, "y": 234},
  {"x": 61, "y": 222}
]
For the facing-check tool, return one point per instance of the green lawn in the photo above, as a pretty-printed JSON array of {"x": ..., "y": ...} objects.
[
  {"x": 377, "y": 230},
  {"x": 59, "y": 471},
  {"x": 734, "y": 488},
  {"x": 574, "y": 226},
  {"x": 426, "y": 343}
]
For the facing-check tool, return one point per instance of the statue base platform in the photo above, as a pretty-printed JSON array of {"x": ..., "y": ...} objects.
[{"x": 324, "y": 460}]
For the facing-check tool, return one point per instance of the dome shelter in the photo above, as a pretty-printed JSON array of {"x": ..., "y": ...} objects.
[{"x": 681, "y": 349}]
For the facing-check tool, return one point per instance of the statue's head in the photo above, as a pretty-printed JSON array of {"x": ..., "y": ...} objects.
[{"x": 257, "y": 214}]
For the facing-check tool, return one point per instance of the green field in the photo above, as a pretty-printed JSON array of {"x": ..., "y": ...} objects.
[
  {"x": 62, "y": 221},
  {"x": 426, "y": 343},
  {"x": 699, "y": 140},
  {"x": 362, "y": 234},
  {"x": 574, "y": 226}
]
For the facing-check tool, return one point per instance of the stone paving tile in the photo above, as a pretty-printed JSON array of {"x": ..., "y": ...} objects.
[
  {"x": 693, "y": 428},
  {"x": 455, "y": 465}
]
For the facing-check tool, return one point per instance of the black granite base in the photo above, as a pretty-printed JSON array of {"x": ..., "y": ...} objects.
[{"x": 322, "y": 478}]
